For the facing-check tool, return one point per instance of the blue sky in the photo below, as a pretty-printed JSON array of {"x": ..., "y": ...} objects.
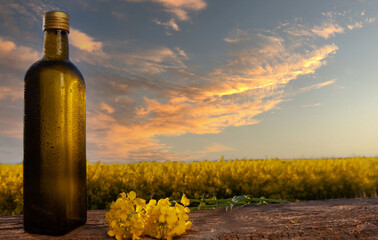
[{"x": 198, "y": 79}]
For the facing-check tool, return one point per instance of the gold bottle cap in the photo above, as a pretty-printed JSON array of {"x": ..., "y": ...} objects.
[{"x": 56, "y": 20}]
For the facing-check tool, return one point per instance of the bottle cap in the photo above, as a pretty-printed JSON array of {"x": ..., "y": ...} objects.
[{"x": 56, "y": 20}]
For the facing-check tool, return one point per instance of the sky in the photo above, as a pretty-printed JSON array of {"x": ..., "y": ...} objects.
[{"x": 186, "y": 80}]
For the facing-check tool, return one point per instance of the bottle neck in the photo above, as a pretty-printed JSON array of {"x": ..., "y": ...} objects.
[{"x": 55, "y": 45}]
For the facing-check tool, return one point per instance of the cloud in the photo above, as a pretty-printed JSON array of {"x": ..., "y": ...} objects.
[
  {"x": 11, "y": 109},
  {"x": 154, "y": 91},
  {"x": 360, "y": 24},
  {"x": 29, "y": 13},
  {"x": 12, "y": 129},
  {"x": 149, "y": 61},
  {"x": 370, "y": 20},
  {"x": 311, "y": 105},
  {"x": 181, "y": 52},
  {"x": 136, "y": 141},
  {"x": 119, "y": 15},
  {"x": 179, "y": 117},
  {"x": 113, "y": 141},
  {"x": 10, "y": 150},
  {"x": 126, "y": 57},
  {"x": 270, "y": 63},
  {"x": 107, "y": 108},
  {"x": 170, "y": 24},
  {"x": 217, "y": 147},
  {"x": 84, "y": 42},
  {"x": 11, "y": 93},
  {"x": 212, "y": 148},
  {"x": 237, "y": 36},
  {"x": 16, "y": 57},
  {"x": 251, "y": 82},
  {"x": 86, "y": 49},
  {"x": 6, "y": 46},
  {"x": 334, "y": 14},
  {"x": 179, "y": 8},
  {"x": 327, "y": 30},
  {"x": 298, "y": 30},
  {"x": 317, "y": 86},
  {"x": 87, "y": 5},
  {"x": 355, "y": 25}
]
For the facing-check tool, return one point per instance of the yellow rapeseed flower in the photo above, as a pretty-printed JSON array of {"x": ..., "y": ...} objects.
[
  {"x": 184, "y": 200},
  {"x": 131, "y": 217}
]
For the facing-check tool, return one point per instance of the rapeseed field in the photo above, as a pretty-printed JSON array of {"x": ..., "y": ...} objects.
[{"x": 297, "y": 179}]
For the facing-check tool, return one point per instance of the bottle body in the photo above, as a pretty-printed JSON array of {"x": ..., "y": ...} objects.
[{"x": 55, "y": 195}]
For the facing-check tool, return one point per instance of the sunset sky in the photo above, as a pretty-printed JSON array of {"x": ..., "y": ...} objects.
[{"x": 198, "y": 79}]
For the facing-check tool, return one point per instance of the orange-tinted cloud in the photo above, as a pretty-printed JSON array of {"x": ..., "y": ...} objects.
[
  {"x": 212, "y": 148},
  {"x": 126, "y": 127},
  {"x": 311, "y": 105},
  {"x": 107, "y": 108},
  {"x": 15, "y": 56},
  {"x": 11, "y": 93},
  {"x": 171, "y": 24},
  {"x": 149, "y": 61},
  {"x": 114, "y": 141},
  {"x": 360, "y": 24},
  {"x": 317, "y": 86},
  {"x": 86, "y": 49},
  {"x": 179, "y": 8},
  {"x": 136, "y": 141},
  {"x": 14, "y": 61},
  {"x": 370, "y": 20},
  {"x": 250, "y": 83},
  {"x": 28, "y": 13},
  {"x": 268, "y": 65},
  {"x": 217, "y": 147},
  {"x": 84, "y": 42},
  {"x": 237, "y": 36},
  {"x": 355, "y": 25},
  {"x": 13, "y": 129},
  {"x": 327, "y": 30}
]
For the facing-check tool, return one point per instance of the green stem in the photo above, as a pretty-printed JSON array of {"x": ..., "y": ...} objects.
[
  {"x": 246, "y": 200},
  {"x": 214, "y": 203}
]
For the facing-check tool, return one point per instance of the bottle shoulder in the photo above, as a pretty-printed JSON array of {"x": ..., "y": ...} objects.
[{"x": 43, "y": 66}]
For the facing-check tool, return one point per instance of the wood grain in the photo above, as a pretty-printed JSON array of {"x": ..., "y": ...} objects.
[{"x": 330, "y": 219}]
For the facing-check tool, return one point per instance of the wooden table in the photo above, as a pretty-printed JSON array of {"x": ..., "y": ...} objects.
[{"x": 330, "y": 219}]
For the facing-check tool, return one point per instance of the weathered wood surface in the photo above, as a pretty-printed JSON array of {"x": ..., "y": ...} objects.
[{"x": 331, "y": 219}]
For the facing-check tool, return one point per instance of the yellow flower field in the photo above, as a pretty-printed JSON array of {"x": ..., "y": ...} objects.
[{"x": 299, "y": 179}]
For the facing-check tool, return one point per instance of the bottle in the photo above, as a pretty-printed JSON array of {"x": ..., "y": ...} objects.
[{"x": 55, "y": 195}]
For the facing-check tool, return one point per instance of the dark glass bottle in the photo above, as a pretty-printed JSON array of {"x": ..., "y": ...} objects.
[{"x": 55, "y": 195}]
